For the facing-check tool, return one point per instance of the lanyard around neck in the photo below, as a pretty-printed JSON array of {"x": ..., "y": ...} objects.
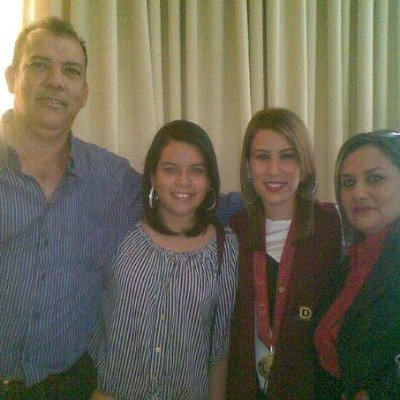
[{"x": 269, "y": 334}]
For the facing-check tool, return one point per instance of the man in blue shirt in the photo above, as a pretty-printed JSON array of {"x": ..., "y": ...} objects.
[{"x": 64, "y": 207}]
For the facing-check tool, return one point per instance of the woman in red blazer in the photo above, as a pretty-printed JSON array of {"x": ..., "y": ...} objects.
[{"x": 288, "y": 244}]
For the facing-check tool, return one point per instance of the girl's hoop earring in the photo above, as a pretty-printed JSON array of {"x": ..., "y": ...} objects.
[
  {"x": 214, "y": 203},
  {"x": 153, "y": 197}
]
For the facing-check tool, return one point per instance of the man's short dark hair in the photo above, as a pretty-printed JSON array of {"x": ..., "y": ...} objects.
[{"x": 53, "y": 25}]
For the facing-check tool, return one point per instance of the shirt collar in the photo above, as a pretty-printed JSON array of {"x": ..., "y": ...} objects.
[
  {"x": 77, "y": 158},
  {"x": 370, "y": 248}
]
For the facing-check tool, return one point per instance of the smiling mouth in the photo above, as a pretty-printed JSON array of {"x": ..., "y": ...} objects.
[
  {"x": 182, "y": 196},
  {"x": 361, "y": 210},
  {"x": 52, "y": 101},
  {"x": 275, "y": 186}
]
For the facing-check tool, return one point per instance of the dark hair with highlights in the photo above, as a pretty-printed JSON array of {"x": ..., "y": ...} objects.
[
  {"x": 289, "y": 125},
  {"x": 53, "y": 25},
  {"x": 190, "y": 133},
  {"x": 387, "y": 141}
]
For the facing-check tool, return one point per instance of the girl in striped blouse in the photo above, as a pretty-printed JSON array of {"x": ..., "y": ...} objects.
[{"x": 164, "y": 331}]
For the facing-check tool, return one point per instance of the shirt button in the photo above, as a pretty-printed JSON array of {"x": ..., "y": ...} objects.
[
  {"x": 36, "y": 316},
  {"x": 281, "y": 289},
  {"x": 158, "y": 349},
  {"x": 162, "y": 317}
]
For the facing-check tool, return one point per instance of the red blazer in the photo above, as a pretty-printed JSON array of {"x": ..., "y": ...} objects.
[{"x": 292, "y": 374}]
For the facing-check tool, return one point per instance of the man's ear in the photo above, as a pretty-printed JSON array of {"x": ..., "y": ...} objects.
[{"x": 10, "y": 78}]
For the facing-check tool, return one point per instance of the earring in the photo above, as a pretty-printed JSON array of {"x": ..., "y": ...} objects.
[
  {"x": 153, "y": 197},
  {"x": 214, "y": 203}
]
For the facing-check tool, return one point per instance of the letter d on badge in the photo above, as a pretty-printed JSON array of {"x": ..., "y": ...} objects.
[{"x": 305, "y": 313}]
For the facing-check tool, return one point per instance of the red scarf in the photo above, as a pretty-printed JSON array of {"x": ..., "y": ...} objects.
[
  {"x": 363, "y": 257},
  {"x": 269, "y": 334}
]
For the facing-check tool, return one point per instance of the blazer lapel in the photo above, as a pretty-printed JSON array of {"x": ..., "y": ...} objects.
[{"x": 375, "y": 285}]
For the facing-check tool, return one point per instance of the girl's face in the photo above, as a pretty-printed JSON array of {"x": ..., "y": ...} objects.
[
  {"x": 181, "y": 182},
  {"x": 369, "y": 189},
  {"x": 275, "y": 173}
]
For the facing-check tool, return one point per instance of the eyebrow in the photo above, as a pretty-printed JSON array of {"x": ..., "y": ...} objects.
[
  {"x": 368, "y": 171},
  {"x": 201, "y": 164}
]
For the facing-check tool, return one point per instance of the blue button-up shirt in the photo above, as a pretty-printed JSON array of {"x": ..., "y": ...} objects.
[{"x": 52, "y": 254}]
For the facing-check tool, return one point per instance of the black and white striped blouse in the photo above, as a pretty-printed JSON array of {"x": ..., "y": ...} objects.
[{"x": 157, "y": 339}]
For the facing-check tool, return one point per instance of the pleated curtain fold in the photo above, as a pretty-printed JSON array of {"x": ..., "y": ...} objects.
[{"x": 216, "y": 62}]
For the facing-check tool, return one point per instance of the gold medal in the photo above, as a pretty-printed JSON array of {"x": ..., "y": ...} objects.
[{"x": 265, "y": 365}]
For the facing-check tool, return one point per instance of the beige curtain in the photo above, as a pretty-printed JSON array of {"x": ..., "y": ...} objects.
[{"x": 216, "y": 62}]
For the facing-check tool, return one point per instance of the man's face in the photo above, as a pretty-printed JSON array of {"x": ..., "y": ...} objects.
[{"x": 49, "y": 83}]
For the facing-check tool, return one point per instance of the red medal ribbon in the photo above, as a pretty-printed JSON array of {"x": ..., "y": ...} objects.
[{"x": 266, "y": 333}]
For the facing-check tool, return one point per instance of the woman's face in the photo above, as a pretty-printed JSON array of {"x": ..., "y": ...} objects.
[
  {"x": 369, "y": 189},
  {"x": 275, "y": 173},
  {"x": 181, "y": 182}
]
